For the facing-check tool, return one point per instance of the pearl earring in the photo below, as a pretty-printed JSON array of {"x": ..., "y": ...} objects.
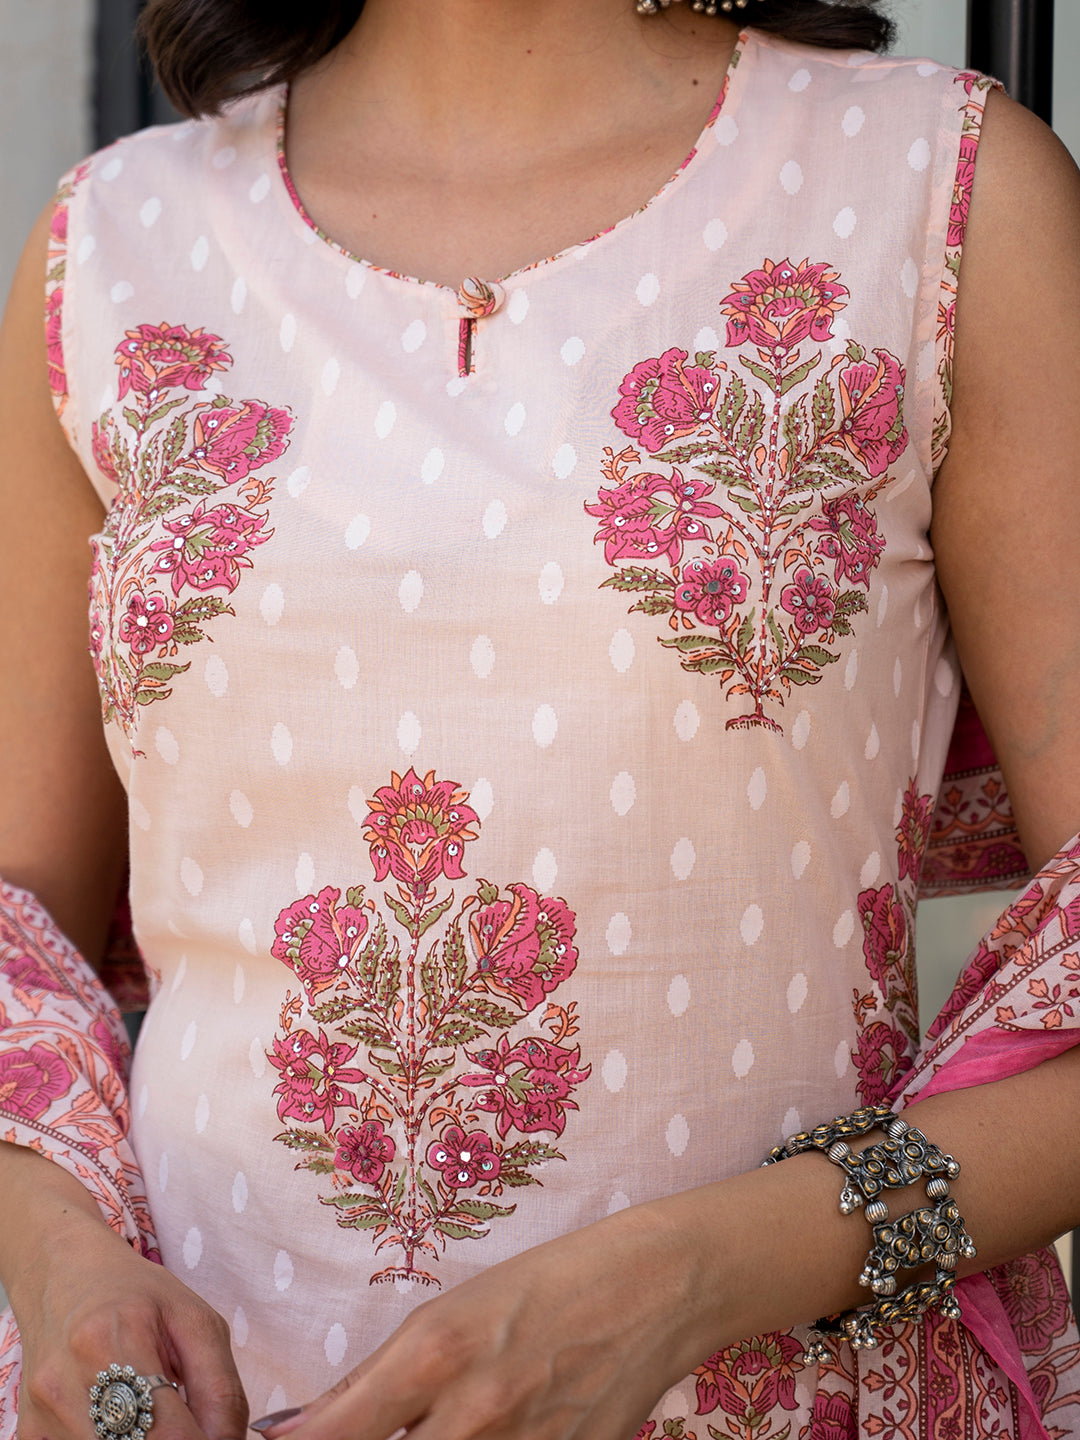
[{"x": 703, "y": 7}]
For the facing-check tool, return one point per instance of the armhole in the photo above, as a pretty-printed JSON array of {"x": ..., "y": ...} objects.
[
  {"x": 976, "y": 87},
  {"x": 56, "y": 278}
]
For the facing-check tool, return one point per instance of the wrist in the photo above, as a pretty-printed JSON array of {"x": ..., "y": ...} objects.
[{"x": 46, "y": 1217}]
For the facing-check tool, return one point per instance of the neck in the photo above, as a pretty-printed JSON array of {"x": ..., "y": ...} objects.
[{"x": 464, "y": 76}]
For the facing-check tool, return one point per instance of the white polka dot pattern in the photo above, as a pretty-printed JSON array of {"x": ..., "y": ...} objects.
[
  {"x": 545, "y": 726},
  {"x": 618, "y": 934},
  {"x": 621, "y": 651},
  {"x": 283, "y": 1270},
  {"x": 545, "y": 870},
  {"x": 752, "y": 924},
  {"x": 683, "y": 858},
  {"x": 550, "y": 584},
  {"x": 193, "y": 1247},
  {"x": 678, "y": 995},
  {"x": 614, "y": 1071},
  {"x": 686, "y": 721},
  {"x": 742, "y": 1059},
  {"x": 677, "y": 1134}
]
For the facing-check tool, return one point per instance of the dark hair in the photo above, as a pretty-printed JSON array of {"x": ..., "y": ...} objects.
[{"x": 206, "y": 52}]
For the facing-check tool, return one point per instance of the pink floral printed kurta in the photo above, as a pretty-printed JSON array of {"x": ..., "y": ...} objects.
[{"x": 533, "y": 704}]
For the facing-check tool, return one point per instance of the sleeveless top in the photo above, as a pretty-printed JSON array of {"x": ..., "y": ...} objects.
[{"x": 531, "y": 699}]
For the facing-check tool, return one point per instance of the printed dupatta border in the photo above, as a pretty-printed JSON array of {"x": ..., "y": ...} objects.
[
  {"x": 64, "y": 1060},
  {"x": 1015, "y": 1004}
]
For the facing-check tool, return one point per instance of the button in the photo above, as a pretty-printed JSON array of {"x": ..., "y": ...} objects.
[{"x": 479, "y": 298}]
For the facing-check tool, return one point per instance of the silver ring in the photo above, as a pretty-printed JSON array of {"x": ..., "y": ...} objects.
[{"x": 122, "y": 1403}]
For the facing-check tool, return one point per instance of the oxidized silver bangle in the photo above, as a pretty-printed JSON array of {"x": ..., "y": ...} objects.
[
  {"x": 933, "y": 1234},
  {"x": 122, "y": 1403}
]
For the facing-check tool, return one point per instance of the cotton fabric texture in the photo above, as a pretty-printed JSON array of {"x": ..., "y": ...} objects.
[{"x": 533, "y": 705}]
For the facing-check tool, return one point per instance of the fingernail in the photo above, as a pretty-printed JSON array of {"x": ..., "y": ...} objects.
[{"x": 267, "y": 1422}]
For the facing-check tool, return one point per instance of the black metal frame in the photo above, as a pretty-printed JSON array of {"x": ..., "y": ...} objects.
[
  {"x": 1014, "y": 40},
  {"x": 126, "y": 96}
]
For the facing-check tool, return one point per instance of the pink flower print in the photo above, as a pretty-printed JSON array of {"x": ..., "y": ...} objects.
[
  {"x": 465, "y": 1160},
  {"x": 524, "y": 947},
  {"x": 850, "y": 538},
  {"x": 102, "y": 452},
  {"x": 58, "y": 225},
  {"x": 528, "y": 1086},
  {"x": 749, "y": 1379},
  {"x": 209, "y": 547},
  {"x": 872, "y": 397},
  {"x": 54, "y": 343},
  {"x": 1035, "y": 1299},
  {"x": 880, "y": 1059},
  {"x": 33, "y": 1079},
  {"x": 110, "y": 1046},
  {"x": 417, "y": 830},
  {"x": 147, "y": 623},
  {"x": 25, "y": 973},
  {"x": 364, "y": 1151},
  {"x": 630, "y": 514},
  {"x": 97, "y": 636},
  {"x": 884, "y": 933},
  {"x": 962, "y": 185},
  {"x": 779, "y": 305},
  {"x": 313, "y": 1076},
  {"x": 231, "y": 441},
  {"x": 318, "y": 939},
  {"x": 810, "y": 600},
  {"x": 833, "y": 1418},
  {"x": 913, "y": 831},
  {"x": 664, "y": 399},
  {"x": 161, "y": 357},
  {"x": 711, "y": 589}
]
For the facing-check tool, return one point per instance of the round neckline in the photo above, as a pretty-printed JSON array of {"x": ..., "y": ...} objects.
[{"x": 289, "y": 197}]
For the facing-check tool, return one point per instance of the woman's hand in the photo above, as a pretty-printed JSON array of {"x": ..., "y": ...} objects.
[
  {"x": 578, "y": 1337},
  {"x": 83, "y": 1299}
]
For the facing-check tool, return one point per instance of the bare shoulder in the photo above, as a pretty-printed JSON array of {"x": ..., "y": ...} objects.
[{"x": 1025, "y": 203}]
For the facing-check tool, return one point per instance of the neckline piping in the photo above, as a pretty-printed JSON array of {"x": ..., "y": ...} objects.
[{"x": 299, "y": 212}]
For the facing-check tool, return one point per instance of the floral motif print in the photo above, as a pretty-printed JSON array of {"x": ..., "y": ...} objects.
[
  {"x": 748, "y": 1383},
  {"x": 389, "y": 1094},
  {"x": 163, "y": 357},
  {"x": 973, "y": 842},
  {"x": 887, "y": 1016},
  {"x": 63, "y": 1065},
  {"x": 976, "y": 88},
  {"x": 760, "y": 590},
  {"x": 180, "y": 536},
  {"x": 1035, "y": 1301},
  {"x": 31, "y": 1079},
  {"x": 54, "y": 287},
  {"x": 779, "y": 306}
]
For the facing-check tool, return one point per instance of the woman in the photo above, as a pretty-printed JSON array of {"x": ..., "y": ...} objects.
[{"x": 420, "y": 614}]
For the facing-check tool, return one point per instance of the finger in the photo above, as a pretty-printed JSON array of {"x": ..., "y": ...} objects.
[
  {"x": 283, "y": 1422},
  {"x": 364, "y": 1410},
  {"x": 171, "y": 1419},
  {"x": 205, "y": 1364}
]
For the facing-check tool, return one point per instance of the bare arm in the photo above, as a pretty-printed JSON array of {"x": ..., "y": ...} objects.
[
  {"x": 82, "y": 1298},
  {"x": 1006, "y": 528},
  {"x": 62, "y": 826}
]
